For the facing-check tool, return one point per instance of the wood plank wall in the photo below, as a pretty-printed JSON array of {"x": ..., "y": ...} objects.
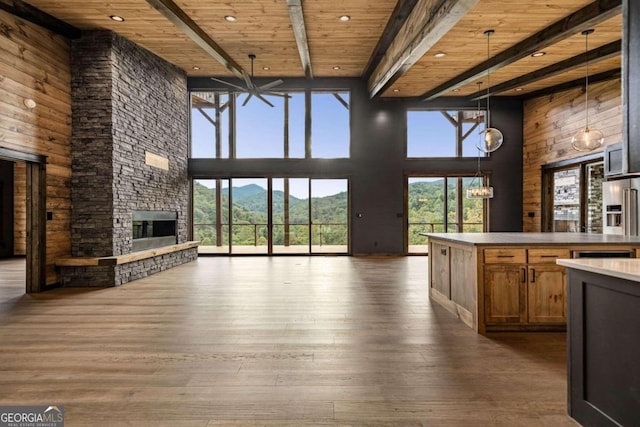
[
  {"x": 35, "y": 64},
  {"x": 20, "y": 209},
  {"x": 549, "y": 123}
]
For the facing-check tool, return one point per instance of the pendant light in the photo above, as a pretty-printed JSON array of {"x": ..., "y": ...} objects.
[
  {"x": 477, "y": 189},
  {"x": 587, "y": 139},
  {"x": 492, "y": 137}
]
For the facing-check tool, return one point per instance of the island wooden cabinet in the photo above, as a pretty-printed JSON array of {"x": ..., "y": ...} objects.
[
  {"x": 510, "y": 281},
  {"x": 547, "y": 295},
  {"x": 524, "y": 287},
  {"x": 505, "y": 290}
]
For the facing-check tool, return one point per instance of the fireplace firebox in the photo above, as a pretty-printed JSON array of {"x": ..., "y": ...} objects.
[{"x": 154, "y": 229}]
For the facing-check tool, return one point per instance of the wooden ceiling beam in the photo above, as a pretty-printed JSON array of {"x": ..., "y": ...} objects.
[
  {"x": 181, "y": 20},
  {"x": 601, "y": 53},
  {"x": 585, "y": 18},
  {"x": 300, "y": 34},
  {"x": 428, "y": 22},
  {"x": 394, "y": 24},
  {"x": 32, "y": 14},
  {"x": 615, "y": 73}
]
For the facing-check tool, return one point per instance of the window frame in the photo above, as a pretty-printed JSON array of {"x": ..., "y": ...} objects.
[
  {"x": 460, "y": 134},
  {"x": 232, "y": 105},
  {"x": 447, "y": 176}
]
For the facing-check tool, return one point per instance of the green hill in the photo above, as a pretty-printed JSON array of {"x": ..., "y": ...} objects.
[{"x": 329, "y": 214}]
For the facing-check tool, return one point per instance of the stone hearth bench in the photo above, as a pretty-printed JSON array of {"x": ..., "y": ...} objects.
[{"x": 119, "y": 269}]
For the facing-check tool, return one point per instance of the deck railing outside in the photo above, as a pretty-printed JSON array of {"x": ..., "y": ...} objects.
[{"x": 322, "y": 229}]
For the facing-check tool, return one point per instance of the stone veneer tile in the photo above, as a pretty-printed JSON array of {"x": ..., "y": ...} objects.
[{"x": 125, "y": 101}]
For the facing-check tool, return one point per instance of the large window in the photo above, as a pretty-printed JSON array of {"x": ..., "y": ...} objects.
[
  {"x": 271, "y": 215},
  {"x": 209, "y": 125},
  {"x": 439, "y": 205},
  {"x": 260, "y": 129},
  {"x": 330, "y": 125},
  {"x": 444, "y": 133},
  {"x": 226, "y": 125}
]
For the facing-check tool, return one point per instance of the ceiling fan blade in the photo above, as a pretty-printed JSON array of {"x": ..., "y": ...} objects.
[
  {"x": 250, "y": 86},
  {"x": 247, "y": 99},
  {"x": 228, "y": 84},
  {"x": 263, "y": 99},
  {"x": 271, "y": 84},
  {"x": 281, "y": 95}
]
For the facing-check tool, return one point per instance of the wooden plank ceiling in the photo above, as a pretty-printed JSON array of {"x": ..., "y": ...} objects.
[{"x": 375, "y": 35}]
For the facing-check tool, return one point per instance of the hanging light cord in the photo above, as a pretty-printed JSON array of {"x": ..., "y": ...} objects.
[
  {"x": 488, "y": 33},
  {"x": 478, "y": 177},
  {"x": 478, "y": 119},
  {"x": 586, "y": 78}
]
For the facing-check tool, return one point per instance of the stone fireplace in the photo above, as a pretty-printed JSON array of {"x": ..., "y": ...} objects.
[{"x": 130, "y": 188}]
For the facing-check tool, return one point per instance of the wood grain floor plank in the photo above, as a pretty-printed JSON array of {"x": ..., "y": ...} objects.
[{"x": 283, "y": 341}]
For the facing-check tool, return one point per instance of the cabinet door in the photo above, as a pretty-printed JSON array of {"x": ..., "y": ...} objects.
[
  {"x": 547, "y": 294},
  {"x": 505, "y": 288},
  {"x": 440, "y": 267}
]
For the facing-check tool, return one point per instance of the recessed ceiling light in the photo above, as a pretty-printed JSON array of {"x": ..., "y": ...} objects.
[
  {"x": 518, "y": 89},
  {"x": 266, "y": 68},
  {"x": 336, "y": 67},
  {"x": 30, "y": 103},
  {"x": 456, "y": 90},
  {"x": 396, "y": 90},
  {"x": 116, "y": 18},
  {"x": 439, "y": 55},
  {"x": 195, "y": 67},
  {"x": 344, "y": 18},
  {"x": 538, "y": 54},
  {"x": 230, "y": 18}
]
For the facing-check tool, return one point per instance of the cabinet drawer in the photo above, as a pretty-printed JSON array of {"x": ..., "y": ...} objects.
[
  {"x": 547, "y": 256},
  {"x": 505, "y": 256}
]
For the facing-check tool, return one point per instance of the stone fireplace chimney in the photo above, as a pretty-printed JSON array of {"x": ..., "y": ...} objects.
[{"x": 129, "y": 143}]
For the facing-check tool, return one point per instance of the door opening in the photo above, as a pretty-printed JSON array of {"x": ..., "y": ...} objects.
[{"x": 23, "y": 183}]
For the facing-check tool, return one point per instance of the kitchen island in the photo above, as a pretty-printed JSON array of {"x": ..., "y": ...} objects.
[
  {"x": 510, "y": 281},
  {"x": 603, "y": 371}
]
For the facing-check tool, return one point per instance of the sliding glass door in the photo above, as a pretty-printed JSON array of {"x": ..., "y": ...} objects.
[
  {"x": 271, "y": 215},
  {"x": 329, "y": 216},
  {"x": 211, "y": 215},
  {"x": 291, "y": 224},
  {"x": 439, "y": 205}
]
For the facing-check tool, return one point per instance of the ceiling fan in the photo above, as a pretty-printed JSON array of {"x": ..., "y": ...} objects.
[{"x": 254, "y": 90}]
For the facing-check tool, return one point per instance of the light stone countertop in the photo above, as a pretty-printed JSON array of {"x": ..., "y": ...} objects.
[
  {"x": 533, "y": 239},
  {"x": 622, "y": 268}
]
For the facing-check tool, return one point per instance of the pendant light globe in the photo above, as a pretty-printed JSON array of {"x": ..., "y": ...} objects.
[
  {"x": 491, "y": 139},
  {"x": 587, "y": 140}
]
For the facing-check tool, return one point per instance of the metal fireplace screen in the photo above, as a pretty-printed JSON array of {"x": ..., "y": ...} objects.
[{"x": 154, "y": 229}]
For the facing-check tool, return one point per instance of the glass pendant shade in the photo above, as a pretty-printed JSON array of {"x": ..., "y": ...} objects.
[
  {"x": 587, "y": 140},
  {"x": 490, "y": 140}
]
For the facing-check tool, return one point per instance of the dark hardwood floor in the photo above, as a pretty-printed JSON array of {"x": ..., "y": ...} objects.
[{"x": 274, "y": 341}]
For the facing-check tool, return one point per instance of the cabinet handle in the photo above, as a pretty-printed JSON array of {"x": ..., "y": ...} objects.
[
  {"x": 549, "y": 256},
  {"x": 524, "y": 274},
  {"x": 533, "y": 275},
  {"x": 505, "y": 256}
]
